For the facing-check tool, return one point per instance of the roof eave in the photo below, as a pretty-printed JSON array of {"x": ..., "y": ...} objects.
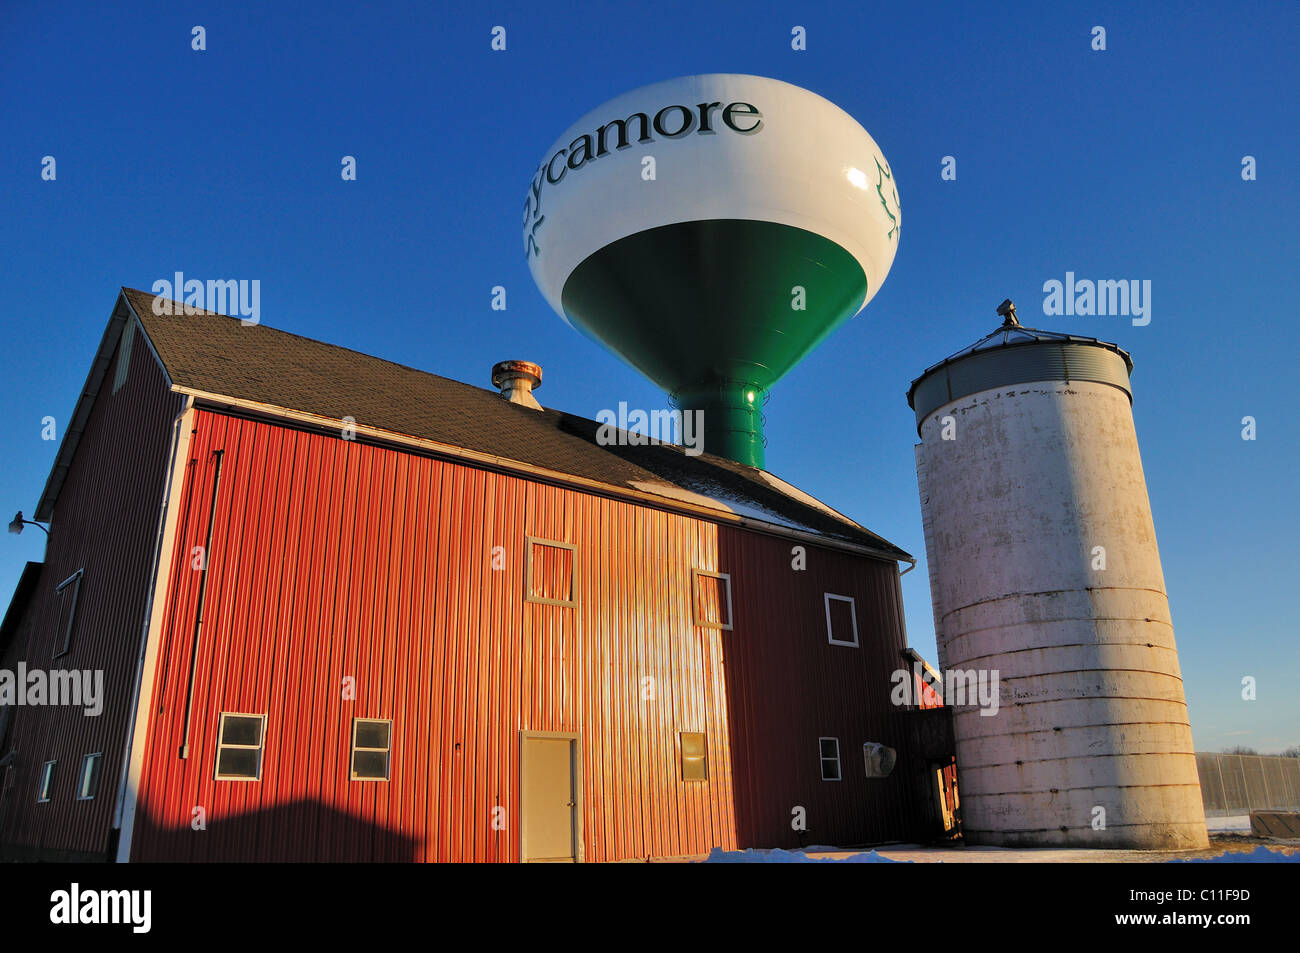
[
  {"x": 889, "y": 552},
  {"x": 18, "y": 603},
  {"x": 81, "y": 413},
  {"x": 122, "y": 311}
]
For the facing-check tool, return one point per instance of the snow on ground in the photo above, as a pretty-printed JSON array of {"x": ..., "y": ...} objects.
[
  {"x": 778, "y": 856},
  {"x": 1260, "y": 855},
  {"x": 915, "y": 853},
  {"x": 1238, "y": 823}
]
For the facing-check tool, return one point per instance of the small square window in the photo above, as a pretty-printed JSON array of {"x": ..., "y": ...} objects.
[
  {"x": 830, "y": 754},
  {"x": 47, "y": 782},
  {"x": 89, "y": 785},
  {"x": 841, "y": 620},
  {"x": 878, "y": 759},
  {"x": 695, "y": 756},
  {"x": 372, "y": 741},
  {"x": 549, "y": 572},
  {"x": 67, "y": 593},
  {"x": 239, "y": 747},
  {"x": 711, "y": 599}
]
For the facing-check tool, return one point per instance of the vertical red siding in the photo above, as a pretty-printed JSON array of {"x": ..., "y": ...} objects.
[
  {"x": 105, "y": 522},
  {"x": 335, "y": 560}
]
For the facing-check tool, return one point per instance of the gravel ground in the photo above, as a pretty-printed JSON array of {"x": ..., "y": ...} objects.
[{"x": 1219, "y": 843}]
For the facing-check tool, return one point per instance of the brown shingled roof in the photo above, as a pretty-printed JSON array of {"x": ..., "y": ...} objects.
[{"x": 219, "y": 355}]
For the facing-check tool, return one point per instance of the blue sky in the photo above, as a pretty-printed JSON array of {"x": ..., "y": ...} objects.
[{"x": 1117, "y": 164}]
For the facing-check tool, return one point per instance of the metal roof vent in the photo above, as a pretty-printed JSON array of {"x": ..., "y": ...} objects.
[
  {"x": 1007, "y": 309},
  {"x": 517, "y": 380}
]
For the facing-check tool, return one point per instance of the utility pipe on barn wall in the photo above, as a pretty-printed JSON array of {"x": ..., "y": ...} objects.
[
  {"x": 203, "y": 596},
  {"x": 898, "y": 595}
]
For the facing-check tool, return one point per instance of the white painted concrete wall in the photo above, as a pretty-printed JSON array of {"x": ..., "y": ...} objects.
[{"x": 1092, "y": 712}]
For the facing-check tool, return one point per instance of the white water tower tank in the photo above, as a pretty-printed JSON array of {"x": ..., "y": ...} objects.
[
  {"x": 1044, "y": 568},
  {"x": 711, "y": 230}
]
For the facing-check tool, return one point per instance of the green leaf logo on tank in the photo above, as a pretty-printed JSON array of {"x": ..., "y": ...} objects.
[{"x": 883, "y": 175}]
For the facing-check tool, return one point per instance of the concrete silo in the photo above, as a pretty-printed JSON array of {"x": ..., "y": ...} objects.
[{"x": 1044, "y": 569}]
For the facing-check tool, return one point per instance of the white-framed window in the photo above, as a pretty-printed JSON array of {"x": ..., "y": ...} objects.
[
  {"x": 240, "y": 739},
  {"x": 47, "y": 782},
  {"x": 548, "y": 572},
  {"x": 830, "y": 755},
  {"x": 89, "y": 784},
  {"x": 372, "y": 744},
  {"x": 695, "y": 756},
  {"x": 67, "y": 592},
  {"x": 841, "y": 620},
  {"x": 711, "y": 599}
]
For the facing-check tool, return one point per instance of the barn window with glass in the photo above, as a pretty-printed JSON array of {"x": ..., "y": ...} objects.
[
  {"x": 841, "y": 620},
  {"x": 695, "y": 761},
  {"x": 371, "y": 746},
  {"x": 549, "y": 572},
  {"x": 67, "y": 592},
  {"x": 830, "y": 752},
  {"x": 47, "y": 781},
  {"x": 89, "y": 785},
  {"x": 240, "y": 739},
  {"x": 711, "y": 595}
]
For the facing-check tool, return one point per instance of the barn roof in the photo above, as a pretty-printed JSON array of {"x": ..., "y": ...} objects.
[{"x": 214, "y": 356}]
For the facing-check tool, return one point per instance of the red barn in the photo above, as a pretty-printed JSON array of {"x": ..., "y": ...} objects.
[{"x": 348, "y": 610}]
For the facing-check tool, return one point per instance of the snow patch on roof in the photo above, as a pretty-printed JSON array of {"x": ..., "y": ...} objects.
[
  {"x": 789, "y": 489},
  {"x": 715, "y": 496}
]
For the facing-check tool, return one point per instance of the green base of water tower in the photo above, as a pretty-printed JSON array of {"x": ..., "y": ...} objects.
[{"x": 715, "y": 312}]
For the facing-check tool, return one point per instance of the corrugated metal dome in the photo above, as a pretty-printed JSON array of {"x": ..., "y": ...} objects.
[{"x": 1015, "y": 354}]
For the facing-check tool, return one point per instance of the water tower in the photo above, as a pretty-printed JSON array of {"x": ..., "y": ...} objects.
[
  {"x": 711, "y": 231},
  {"x": 1044, "y": 568}
]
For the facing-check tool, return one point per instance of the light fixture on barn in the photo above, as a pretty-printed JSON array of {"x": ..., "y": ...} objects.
[{"x": 17, "y": 523}]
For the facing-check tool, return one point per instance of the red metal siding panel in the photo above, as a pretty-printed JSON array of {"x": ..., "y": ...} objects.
[
  {"x": 789, "y": 686},
  {"x": 105, "y": 522},
  {"x": 333, "y": 559}
]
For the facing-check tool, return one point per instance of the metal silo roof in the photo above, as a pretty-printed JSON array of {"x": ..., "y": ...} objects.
[{"x": 1015, "y": 354}]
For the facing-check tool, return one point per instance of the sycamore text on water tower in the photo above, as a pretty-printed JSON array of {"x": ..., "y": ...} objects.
[{"x": 743, "y": 118}]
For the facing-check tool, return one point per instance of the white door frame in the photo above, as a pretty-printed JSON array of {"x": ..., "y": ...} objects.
[{"x": 575, "y": 761}]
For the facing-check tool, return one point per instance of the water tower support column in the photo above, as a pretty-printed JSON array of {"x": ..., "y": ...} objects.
[{"x": 733, "y": 420}]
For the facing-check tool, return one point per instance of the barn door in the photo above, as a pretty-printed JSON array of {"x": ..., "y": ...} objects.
[{"x": 550, "y": 798}]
